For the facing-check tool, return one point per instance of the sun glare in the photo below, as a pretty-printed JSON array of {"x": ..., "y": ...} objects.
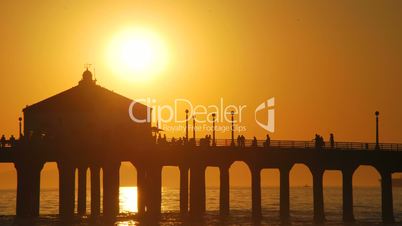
[
  {"x": 137, "y": 54},
  {"x": 128, "y": 199}
]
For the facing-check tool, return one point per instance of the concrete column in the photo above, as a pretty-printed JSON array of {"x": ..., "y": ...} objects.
[
  {"x": 318, "y": 194},
  {"x": 66, "y": 190},
  {"x": 224, "y": 190},
  {"x": 154, "y": 186},
  {"x": 141, "y": 190},
  {"x": 28, "y": 189},
  {"x": 111, "y": 183},
  {"x": 21, "y": 192},
  {"x": 386, "y": 196},
  {"x": 284, "y": 210},
  {"x": 95, "y": 191},
  {"x": 197, "y": 191},
  {"x": 256, "y": 192},
  {"x": 183, "y": 190},
  {"x": 82, "y": 190},
  {"x": 347, "y": 185},
  {"x": 36, "y": 189}
]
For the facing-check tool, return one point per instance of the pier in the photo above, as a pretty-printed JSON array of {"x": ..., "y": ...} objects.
[
  {"x": 193, "y": 160},
  {"x": 87, "y": 127}
]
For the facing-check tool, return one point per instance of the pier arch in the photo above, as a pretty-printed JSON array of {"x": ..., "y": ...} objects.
[
  {"x": 49, "y": 189},
  {"x": 240, "y": 187},
  {"x": 82, "y": 196},
  {"x": 270, "y": 192},
  {"x": 95, "y": 185},
  {"x": 170, "y": 188},
  {"x": 397, "y": 192},
  {"x": 212, "y": 185},
  {"x": 332, "y": 180},
  {"x": 367, "y": 193},
  {"x": 100, "y": 192},
  {"x": 128, "y": 190},
  {"x": 8, "y": 178},
  {"x": 301, "y": 192}
]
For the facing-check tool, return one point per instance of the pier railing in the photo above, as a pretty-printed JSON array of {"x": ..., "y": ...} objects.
[
  {"x": 285, "y": 144},
  {"x": 311, "y": 145},
  {"x": 289, "y": 144}
]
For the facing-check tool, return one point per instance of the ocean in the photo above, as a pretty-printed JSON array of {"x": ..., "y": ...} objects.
[{"x": 367, "y": 207}]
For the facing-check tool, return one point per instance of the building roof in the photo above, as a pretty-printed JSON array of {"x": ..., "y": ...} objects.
[{"x": 85, "y": 95}]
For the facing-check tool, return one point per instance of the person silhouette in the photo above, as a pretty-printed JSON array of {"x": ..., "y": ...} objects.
[
  {"x": 159, "y": 140},
  {"x": 3, "y": 141},
  {"x": 319, "y": 141},
  {"x": 242, "y": 141},
  {"x": 154, "y": 138},
  {"x": 238, "y": 141},
  {"x": 254, "y": 143},
  {"x": 332, "y": 140},
  {"x": 191, "y": 142},
  {"x": 207, "y": 140},
  {"x": 267, "y": 141},
  {"x": 12, "y": 141},
  {"x": 322, "y": 142}
]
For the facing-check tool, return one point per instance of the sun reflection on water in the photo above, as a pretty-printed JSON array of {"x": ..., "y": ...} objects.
[{"x": 128, "y": 200}]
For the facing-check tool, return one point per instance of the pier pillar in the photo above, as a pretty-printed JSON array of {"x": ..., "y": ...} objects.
[
  {"x": 66, "y": 190},
  {"x": 95, "y": 191},
  {"x": 35, "y": 174},
  {"x": 224, "y": 191},
  {"x": 347, "y": 194},
  {"x": 284, "y": 210},
  {"x": 318, "y": 194},
  {"x": 141, "y": 190},
  {"x": 197, "y": 191},
  {"x": 256, "y": 192},
  {"x": 183, "y": 190},
  {"x": 82, "y": 190},
  {"x": 111, "y": 185},
  {"x": 28, "y": 189},
  {"x": 386, "y": 197},
  {"x": 154, "y": 186}
]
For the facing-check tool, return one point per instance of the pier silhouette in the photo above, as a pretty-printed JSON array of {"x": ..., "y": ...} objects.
[{"x": 87, "y": 127}]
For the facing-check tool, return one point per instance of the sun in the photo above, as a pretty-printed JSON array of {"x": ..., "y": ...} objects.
[{"x": 137, "y": 54}]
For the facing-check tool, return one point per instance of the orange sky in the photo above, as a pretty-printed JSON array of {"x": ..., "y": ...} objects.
[{"x": 329, "y": 65}]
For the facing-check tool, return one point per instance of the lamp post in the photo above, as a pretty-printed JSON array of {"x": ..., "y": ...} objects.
[
  {"x": 186, "y": 126},
  {"x": 20, "y": 126},
  {"x": 213, "y": 130},
  {"x": 194, "y": 129},
  {"x": 377, "y": 143},
  {"x": 232, "y": 143}
]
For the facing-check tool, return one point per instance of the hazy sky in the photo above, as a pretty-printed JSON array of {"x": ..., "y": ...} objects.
[{"x": 329, "y": 64}]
